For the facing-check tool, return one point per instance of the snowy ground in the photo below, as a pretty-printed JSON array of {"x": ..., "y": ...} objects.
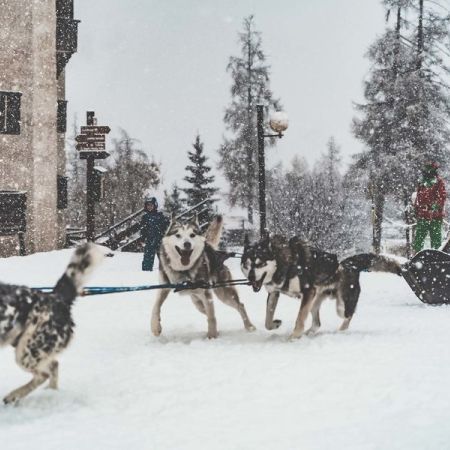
[{"x": 383, "y": 384}]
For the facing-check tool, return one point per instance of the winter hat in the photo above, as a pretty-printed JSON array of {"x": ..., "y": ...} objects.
[
  {"x": 431, "y": 166},
  {"x": 151, "y": 200}
]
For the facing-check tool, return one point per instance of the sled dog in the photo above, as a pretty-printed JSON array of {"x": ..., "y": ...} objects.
[
  {"x": 302, "y": 271},
  {"x": 39, "y": 325},
  {"x": 188, "y": 255}
]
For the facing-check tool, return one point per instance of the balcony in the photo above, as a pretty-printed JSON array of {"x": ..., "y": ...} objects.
[{"x": 66, "y": 35}]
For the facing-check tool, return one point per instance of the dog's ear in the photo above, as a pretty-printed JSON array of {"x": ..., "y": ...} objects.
[
  {"x": 194, "y": 221},
  {"x": 172, "y": 224}
]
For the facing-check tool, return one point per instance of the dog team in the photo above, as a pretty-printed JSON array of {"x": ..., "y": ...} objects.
[{"x": 39, "y": 325}]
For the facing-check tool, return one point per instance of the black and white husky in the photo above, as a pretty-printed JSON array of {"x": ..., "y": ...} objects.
[
  {"x": 299, "y": 270},
  {"x": 39, "y": 325},
  {"x": 186, "y": 254}
]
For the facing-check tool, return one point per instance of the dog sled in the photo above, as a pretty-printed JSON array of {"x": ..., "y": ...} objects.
[{"x": 428, "y": 275}]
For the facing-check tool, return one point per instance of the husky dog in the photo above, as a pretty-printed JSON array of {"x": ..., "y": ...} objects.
[
  {"x": 188, "y": 255},
  {"x": 299, "y": 270},
  {"x": 39, "y": 325}
]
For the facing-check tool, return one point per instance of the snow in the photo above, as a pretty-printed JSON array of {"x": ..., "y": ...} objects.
[{"x": 383, "y": 384}]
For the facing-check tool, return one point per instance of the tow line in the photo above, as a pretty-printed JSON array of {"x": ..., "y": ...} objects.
[{"x": 99, "y": 290}]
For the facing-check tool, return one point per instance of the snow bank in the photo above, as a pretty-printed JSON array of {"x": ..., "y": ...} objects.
[{"x": 383, "y": 384}]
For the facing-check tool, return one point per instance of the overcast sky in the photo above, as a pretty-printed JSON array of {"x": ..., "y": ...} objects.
[{"x": 157, "y": 69}]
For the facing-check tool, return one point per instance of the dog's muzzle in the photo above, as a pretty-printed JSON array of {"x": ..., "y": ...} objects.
[
  {"x": 185, "y": 255},
  {"x": 256, "y": 284}
]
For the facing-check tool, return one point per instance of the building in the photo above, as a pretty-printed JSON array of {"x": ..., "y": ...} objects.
[{"x": 37, "y": 39}]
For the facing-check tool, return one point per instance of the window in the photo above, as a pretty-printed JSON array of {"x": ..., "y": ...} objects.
[
  {"x": 61, "y": 202},
  {"x": 64, "y": 8},
  {"x": 61, "y": 119},
  {"x": 10, "y": 112},
  {"x": 66, "y": 34},
  {"x": 13, "y": 206}
]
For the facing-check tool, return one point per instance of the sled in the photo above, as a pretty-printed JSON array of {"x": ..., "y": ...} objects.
[{"x": 428, "y": 275}]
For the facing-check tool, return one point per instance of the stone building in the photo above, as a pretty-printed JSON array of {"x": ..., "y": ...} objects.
[{"x": 37, "y": 39}]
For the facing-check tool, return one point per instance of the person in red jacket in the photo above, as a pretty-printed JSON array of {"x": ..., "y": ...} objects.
[{"x": 429, "y": 207}]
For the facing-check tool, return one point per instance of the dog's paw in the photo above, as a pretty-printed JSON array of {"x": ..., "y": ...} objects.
[
  {"x": 295, "y": 335},
  {"x": 274, "y": 325},
  {"x": 212, "y": 334},
  {"x": 156, "y": 328},
  {"x": 11, "y": 398},
  {"x": 251, "y": 328},
  {"x": 312, "y": 331}
]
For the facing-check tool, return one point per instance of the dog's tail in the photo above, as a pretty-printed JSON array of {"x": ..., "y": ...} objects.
[
  {"x": 372, "y": 263},
  {"x": 214, "y": 232},
  {"x": 84, "y": 260}
]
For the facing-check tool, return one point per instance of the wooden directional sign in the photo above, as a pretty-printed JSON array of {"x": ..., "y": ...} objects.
[
  {"x": 95, "y": 129},
  {"x": 86, "y": 154},
  {"x": 91, "y": 145},
  {"x": 92, "y": 138}
]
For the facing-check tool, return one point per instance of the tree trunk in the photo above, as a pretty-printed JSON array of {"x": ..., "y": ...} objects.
[
  {"x": 397, "y": 43},
  {"x": 408, "y": 222},
  {"x": 420, "y": 37},
  {"x": 378, "y": 209}
]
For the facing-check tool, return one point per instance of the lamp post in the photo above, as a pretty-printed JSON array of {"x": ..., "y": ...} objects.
[{"x": 278, "y": 123}]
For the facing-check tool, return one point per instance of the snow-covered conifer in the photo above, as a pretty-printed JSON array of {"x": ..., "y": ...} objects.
[{"x": 250, "y": 75}]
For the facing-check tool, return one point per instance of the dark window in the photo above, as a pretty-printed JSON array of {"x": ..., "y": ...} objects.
[
  {"x": 64, "y": 8},
  {"x": 10, "y": 112},
  {"x": 62, "y": 192},
  {"x": 13, "y": 206},
  {"x": 66, "y": 34},
  {"x": 66, "y": 41},
  {"x": 61, "y": 119}
]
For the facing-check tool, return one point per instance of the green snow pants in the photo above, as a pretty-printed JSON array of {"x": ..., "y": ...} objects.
[{"x": 434, "y": 227}]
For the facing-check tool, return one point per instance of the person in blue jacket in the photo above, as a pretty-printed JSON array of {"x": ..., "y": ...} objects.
[{"x": 153, "y": 227}]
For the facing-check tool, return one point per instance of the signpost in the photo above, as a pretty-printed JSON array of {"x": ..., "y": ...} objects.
[{"x": 91, "y": 144}]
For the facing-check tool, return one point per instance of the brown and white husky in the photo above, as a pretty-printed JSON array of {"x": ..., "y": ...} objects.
[{"x": 188, "y": 255}]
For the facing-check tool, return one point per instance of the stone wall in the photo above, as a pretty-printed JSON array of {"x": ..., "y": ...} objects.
[{"x": 30, "y": 161}]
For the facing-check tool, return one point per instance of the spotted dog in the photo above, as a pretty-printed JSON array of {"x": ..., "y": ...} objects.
[
  {"x": 39, "y": 325},
  {"x": 186, "y": 254},
  {"x": 301, "y": 271}
]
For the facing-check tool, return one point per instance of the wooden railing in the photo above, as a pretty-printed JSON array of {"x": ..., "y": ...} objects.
[{"x": 124, "y": 235}]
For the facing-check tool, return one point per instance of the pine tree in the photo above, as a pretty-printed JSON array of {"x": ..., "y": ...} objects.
[
  {"x": 318, "y": 205},
  {"x": 327, "y": 197},
  {"x": 250, "y": 87},
  {"x": 200, "y": 184},
  {"x": 332, "y": 161},
  {"x": 428, "y": 90},
  {"x": 131, "y": 175},
  {"x": 403, "y": 121},
  {"x": 379, "y": 128},
  {"x": 173, "y": 203}
]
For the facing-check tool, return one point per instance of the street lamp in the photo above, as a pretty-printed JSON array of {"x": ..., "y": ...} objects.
[{"x": 278, "y": 122}]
